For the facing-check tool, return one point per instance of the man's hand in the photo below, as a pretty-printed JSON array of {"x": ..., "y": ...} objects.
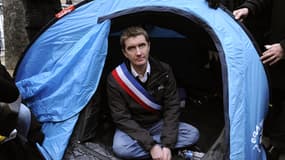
[
  {"x": 166, "y": 153},
  {"x": 158, "y": 153},
  {"x": 241, "y": 14},
  {"x": 273, "y": 54}
]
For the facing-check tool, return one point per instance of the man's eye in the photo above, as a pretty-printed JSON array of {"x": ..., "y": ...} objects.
[
  {"x": 131, "y": 49},
  {"x": 142, "y": 45}
]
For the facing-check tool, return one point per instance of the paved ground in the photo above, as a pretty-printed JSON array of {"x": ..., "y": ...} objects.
[{"x": 282, "y": 157}]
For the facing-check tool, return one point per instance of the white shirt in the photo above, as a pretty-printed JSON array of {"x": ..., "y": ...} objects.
[{"x": 142, "y": 78}]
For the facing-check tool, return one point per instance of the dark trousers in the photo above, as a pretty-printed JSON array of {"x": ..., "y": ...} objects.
[{"x": 274, "y": 127}]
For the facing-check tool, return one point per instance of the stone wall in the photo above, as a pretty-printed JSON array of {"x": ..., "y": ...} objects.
[{"x": 16, "y": 39}]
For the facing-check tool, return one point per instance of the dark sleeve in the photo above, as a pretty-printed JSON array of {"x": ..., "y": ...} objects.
[
  {"x": 122, "y": 117},
  {"x": 171, "y": 113},
  {"x": 282, "y": 43},
  {"x": 9, "y": 91},
  {"x": 38, "y": 13},
  {"x": 256, "y": 6}
]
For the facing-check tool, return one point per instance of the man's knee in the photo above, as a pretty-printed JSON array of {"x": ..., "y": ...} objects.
[
  {"x": 189, "y": 133},
  {"x": 128, "y": 149},
  {"x": 121, "y": 151},
  {"x": 195, "y": 134}
]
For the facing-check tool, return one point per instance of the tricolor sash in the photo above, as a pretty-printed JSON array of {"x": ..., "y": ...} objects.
[{"x": 127, "y": 81}]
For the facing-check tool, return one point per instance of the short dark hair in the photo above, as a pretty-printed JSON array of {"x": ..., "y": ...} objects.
[{"x": 133, "y": 31}]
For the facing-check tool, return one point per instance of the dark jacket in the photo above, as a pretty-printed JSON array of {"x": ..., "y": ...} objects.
[
  {"x": 277, "y": 25},
  {"x": 276, "y": 33},
  {"x": 9, "y": 92},
  {"x": 131, "y": 118}
]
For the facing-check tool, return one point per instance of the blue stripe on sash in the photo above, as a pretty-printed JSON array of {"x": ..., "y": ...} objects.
[{"x": 135, "y": 82}]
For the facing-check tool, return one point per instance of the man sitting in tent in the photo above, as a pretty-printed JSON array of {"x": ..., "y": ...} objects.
[{"x": 144, "y": 103}]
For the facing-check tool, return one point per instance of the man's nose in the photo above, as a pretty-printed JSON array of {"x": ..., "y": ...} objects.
[{"x": 138, "y": 50}]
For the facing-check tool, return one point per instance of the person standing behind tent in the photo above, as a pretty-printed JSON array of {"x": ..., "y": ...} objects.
[
  {"x": 16, "y": 120},
  {"x": 38, "y": 13},
  {"x": 274, "y": 56},
  {"x": 276, "y": 40},
  {"x": 144, "y": 103}
]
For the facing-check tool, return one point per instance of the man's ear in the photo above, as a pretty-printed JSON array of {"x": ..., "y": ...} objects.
[
  {"x": 124, "y": 53},
  {"x": 213, "y": 3}
]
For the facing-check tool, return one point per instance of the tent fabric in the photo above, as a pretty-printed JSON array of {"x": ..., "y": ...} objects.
[{"x": 61, "y": 70}]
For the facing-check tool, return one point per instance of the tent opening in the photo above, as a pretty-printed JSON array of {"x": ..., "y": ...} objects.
[{"x": 191, "y": 52}]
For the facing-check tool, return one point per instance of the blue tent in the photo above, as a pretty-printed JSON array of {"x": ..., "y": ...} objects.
[{"x": 61, "y": 70}]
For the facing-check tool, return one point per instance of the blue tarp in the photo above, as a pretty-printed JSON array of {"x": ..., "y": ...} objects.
[{"x": 61, "y": 70}]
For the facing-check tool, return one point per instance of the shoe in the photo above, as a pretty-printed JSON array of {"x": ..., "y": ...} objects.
[{"x": 190, "y": 155}]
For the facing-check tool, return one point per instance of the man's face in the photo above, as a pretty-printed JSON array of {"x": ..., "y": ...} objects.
[{"x": 137, "y": 50}]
